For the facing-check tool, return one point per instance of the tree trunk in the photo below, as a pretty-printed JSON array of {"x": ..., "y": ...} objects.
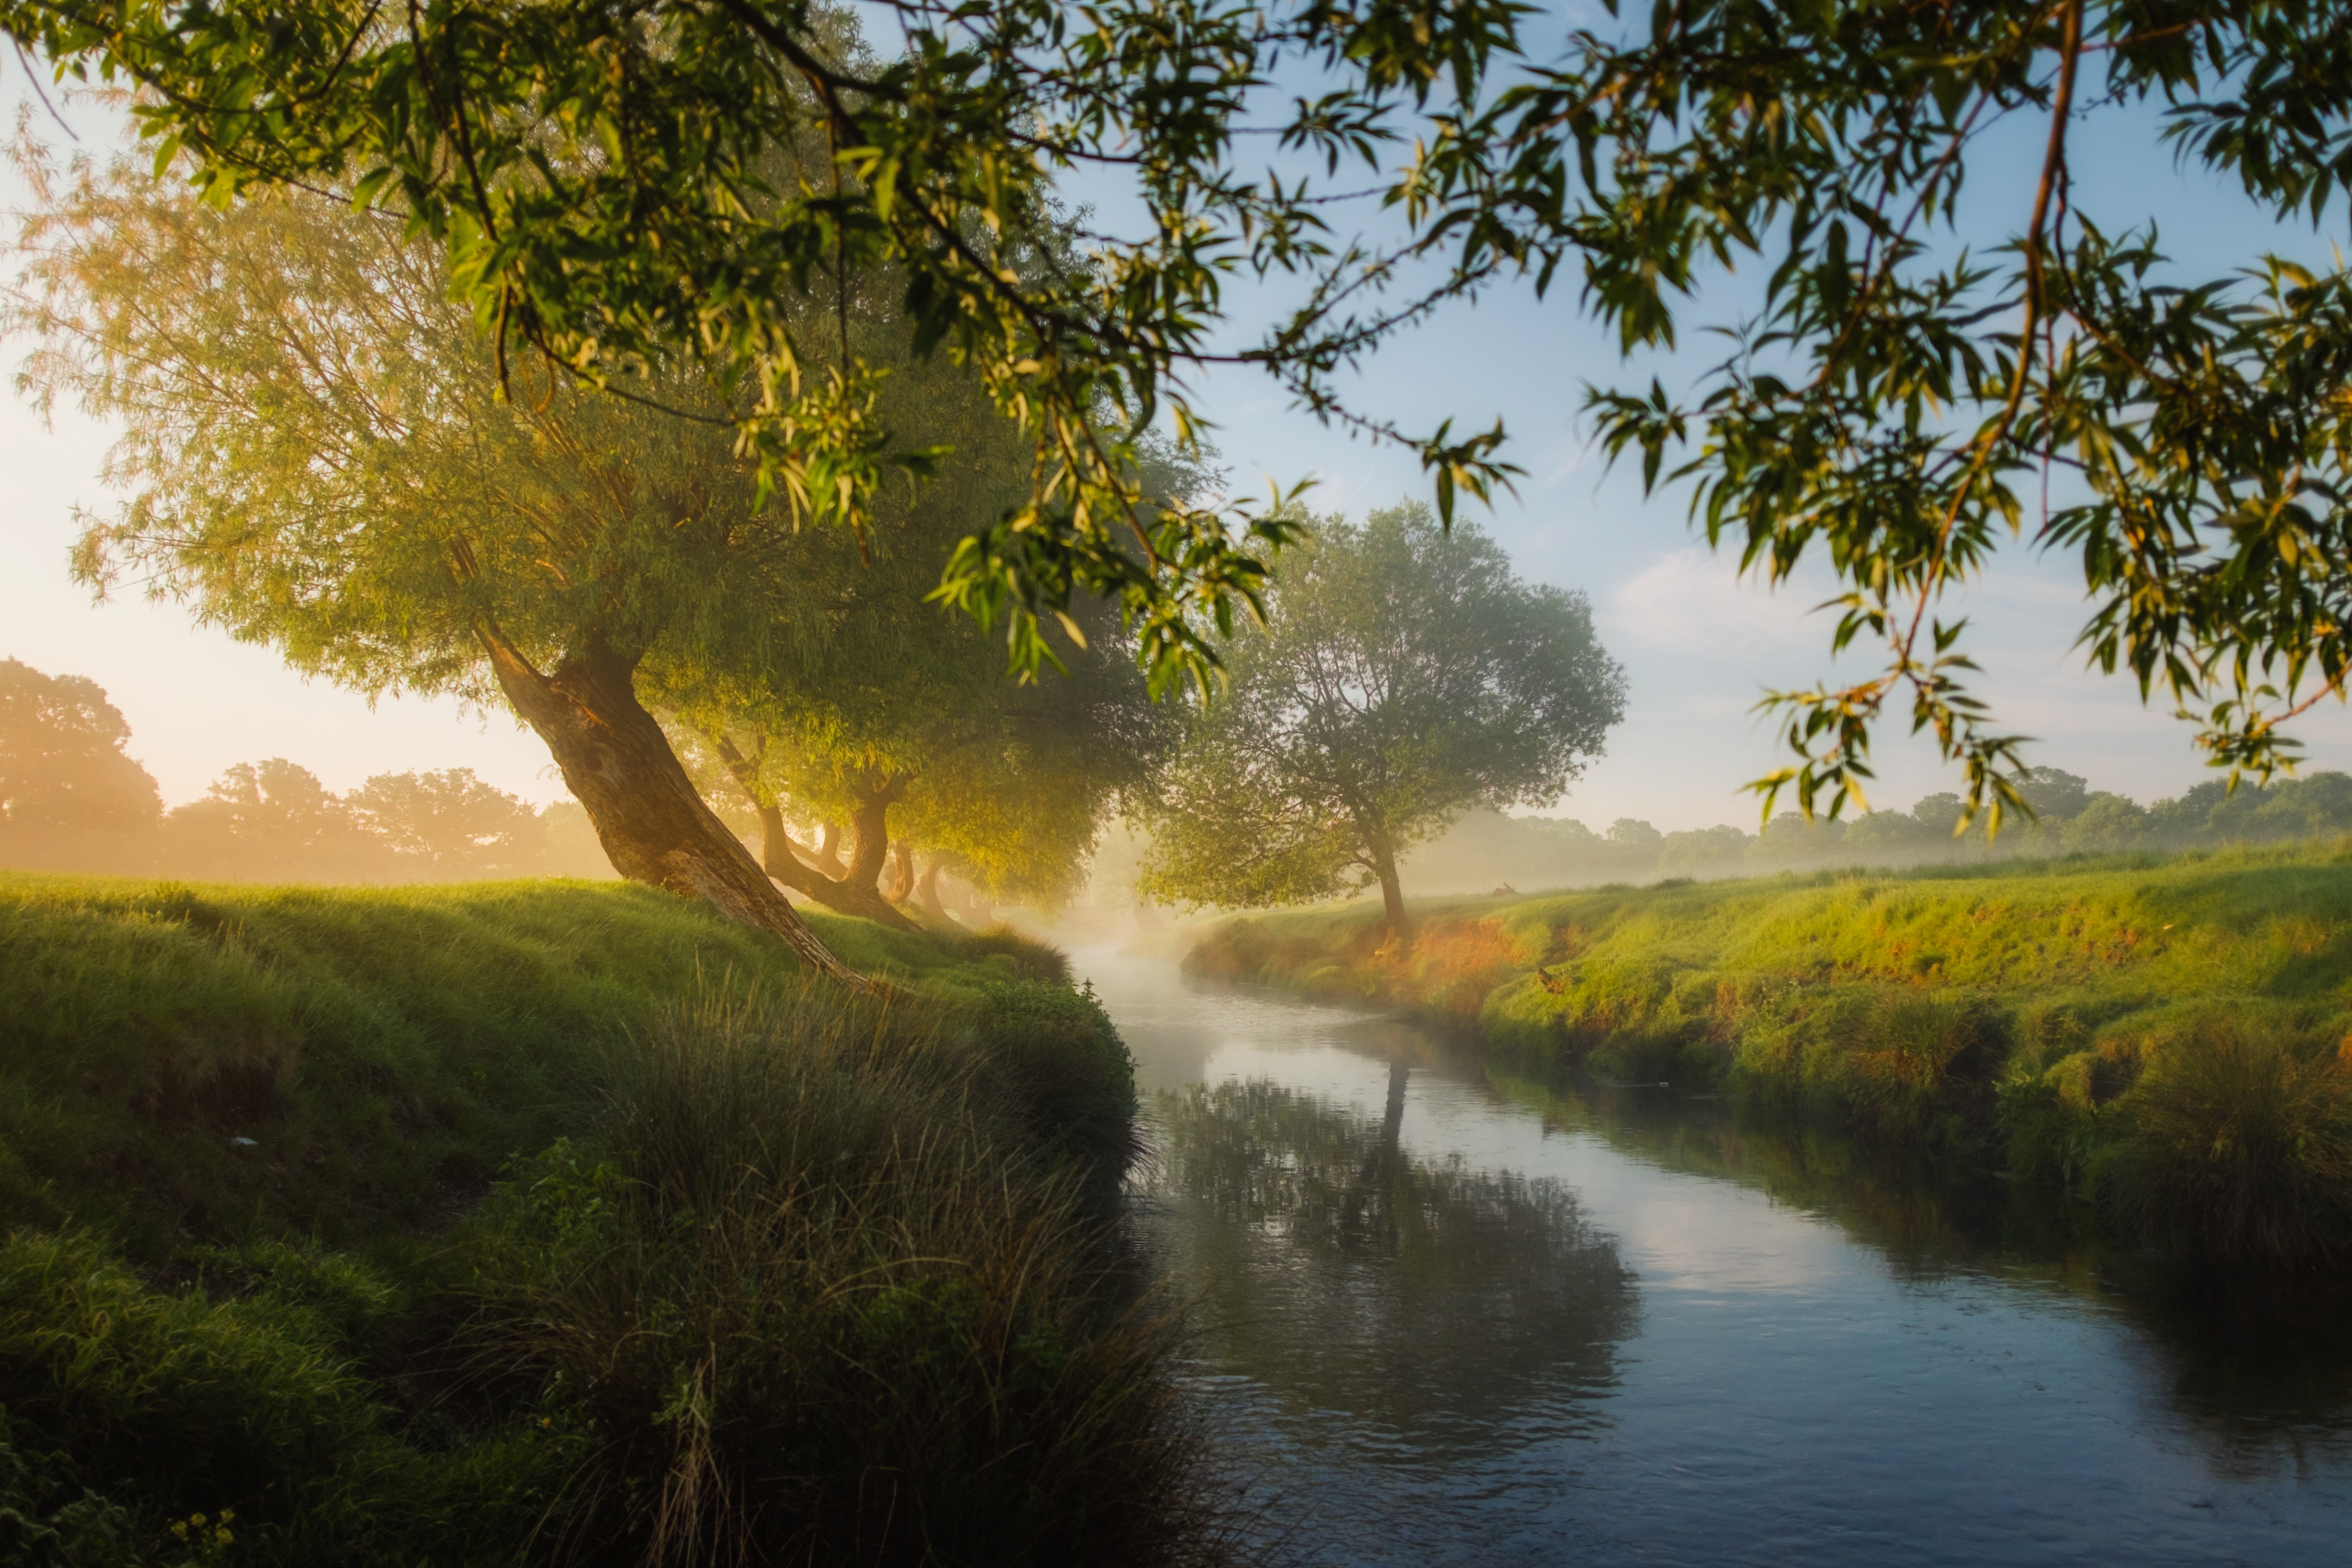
[
  {"x": 782, "y": 858},
  {"x": 654, "y": 824},
  {"x": 927, "y": 889},
  {"x": 828, "y": 852},
  {"x": 870, "y": 824},
  {"x": 902, "y": 872},
  {"x": 1391, "y": 891}
]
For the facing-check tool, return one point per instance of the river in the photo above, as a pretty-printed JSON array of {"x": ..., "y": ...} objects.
[{"x": 1448, "y": 1318}]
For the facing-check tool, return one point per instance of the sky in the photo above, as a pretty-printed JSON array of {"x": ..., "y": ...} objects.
[{"x": 1698, "y": 645}]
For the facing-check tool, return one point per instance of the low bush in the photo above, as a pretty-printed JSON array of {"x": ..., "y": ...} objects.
[
  {"x": 146, "y": 1408},
  {"x": 1023, "y": 957}
]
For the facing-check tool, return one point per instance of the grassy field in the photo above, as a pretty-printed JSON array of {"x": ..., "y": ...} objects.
[
  {"x": 2170, "y": 1038},
  {"x": 559, "y": 1222}
]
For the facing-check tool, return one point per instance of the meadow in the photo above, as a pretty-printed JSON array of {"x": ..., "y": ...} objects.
[
  {"x": 2168, "y": 1040},
  {"x": 548, "y": 1222}
]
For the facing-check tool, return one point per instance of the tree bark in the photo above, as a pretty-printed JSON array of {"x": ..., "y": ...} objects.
[
  {"x": 870, "y": 824},
  {"x": 902, "y": 872},
  {"x": 654, "y": 824}
]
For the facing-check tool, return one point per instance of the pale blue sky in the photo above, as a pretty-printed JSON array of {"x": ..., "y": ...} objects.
[{"x": 1698, "y": 645}]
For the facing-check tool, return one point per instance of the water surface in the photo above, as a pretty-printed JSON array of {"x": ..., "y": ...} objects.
[{"x": 1449, "y": 1318}]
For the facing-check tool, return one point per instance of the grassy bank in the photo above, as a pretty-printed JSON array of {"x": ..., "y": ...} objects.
[
  {"x": 2165, "y": 1038},
  {"x": 544, "y": 1221}
]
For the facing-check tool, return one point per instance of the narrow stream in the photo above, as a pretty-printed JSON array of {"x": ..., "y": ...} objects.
[{"x": 1448, "y": 1318}]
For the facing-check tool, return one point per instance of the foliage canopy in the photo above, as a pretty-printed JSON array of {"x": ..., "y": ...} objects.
[
  {"x": 1892, "y": 405},
  {"x": 614, "y": 186},
  {"x": 1407, "y": 676},
  {"x": 62, "y": 765}
]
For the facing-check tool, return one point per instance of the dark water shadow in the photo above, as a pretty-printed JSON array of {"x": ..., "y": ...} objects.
[
  {"x": 1415, "y": 1306},
  {"x": 2259, "y": 1365}
]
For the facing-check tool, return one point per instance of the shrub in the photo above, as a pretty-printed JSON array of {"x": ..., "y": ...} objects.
[
  {"x": 1026, "y": 957},
  {"x": 115, "y": 1394},
  {"x": 2237, "y": 1147},
  {"x": 1916, "y": 1053},
  {"x": 205, "y": 1403}
]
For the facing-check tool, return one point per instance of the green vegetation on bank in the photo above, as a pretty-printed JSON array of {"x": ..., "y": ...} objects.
[
  {"x": 532, "y": 1222},
  {"x": 2167, "y": 1039}
]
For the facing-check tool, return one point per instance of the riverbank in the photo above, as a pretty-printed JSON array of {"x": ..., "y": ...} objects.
[
  {"x": 557, "y": 1221},
  {"x": 2165, "y": 1039}
]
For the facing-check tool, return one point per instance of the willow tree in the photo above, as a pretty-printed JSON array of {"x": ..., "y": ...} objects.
[
  {"x": 906, "y": 729},
  {"x": 319, "y": 457},
  {"x": 1407, "y": 676}
]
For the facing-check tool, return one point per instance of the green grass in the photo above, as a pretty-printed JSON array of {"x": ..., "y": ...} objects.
[
  {"x": 2080, "y": 1021},
  {"x": 381, "y": 1049},
  {"x": 547, "y": 1222}
]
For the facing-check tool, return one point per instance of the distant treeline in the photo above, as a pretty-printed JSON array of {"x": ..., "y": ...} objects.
[
  {"x": 1486, "y": 851},
  {"x": 70, "y": 800}
]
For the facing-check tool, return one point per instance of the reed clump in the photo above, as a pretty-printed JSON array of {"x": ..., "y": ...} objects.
[
  {"x": 2236, "y": 1145},
  {"x": 819, "y": 1299},
  {"x": 1025, "y": 956}
]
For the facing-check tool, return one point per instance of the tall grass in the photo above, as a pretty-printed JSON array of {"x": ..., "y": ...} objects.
[
  {"x": 2237, "y": 1145},
  {"x": 564, "y": 1225},
  {"x": 181, "y": 1061},
  {"x": 820, "y": 1300}
]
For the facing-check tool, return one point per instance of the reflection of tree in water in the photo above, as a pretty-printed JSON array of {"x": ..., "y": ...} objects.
[
  {"x": 1430, "y": 1301},
  {"x": 2258, "y": 1365},
  {"x": 1925, "y": 1214}
]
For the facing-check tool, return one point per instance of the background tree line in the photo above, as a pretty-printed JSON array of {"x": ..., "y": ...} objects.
[
  {"x": 1486, "y": 849},
  {"x": 72, "y": 799}
]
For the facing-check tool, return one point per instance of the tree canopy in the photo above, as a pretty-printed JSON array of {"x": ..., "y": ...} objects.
[
  {"x": 614, "y": 186},
  {"x": 594, "y": 177},
  {"x": 63, "y": 769},
  {"x": 1957, "y": 349},
  {"x": 318, "y": 457},
  {"x": 1406, "y": 676},
  {"x": 902, "y": 727}
]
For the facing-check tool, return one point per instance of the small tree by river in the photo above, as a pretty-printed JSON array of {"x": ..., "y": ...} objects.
[{"x": 1407, "y": 676}]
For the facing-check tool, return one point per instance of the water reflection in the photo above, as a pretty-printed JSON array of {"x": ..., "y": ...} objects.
[
  {"x": 1427, "y": 1300},
  {"x": 1463, "y": 1319},
  {"x": 2259, "y": 1367}
]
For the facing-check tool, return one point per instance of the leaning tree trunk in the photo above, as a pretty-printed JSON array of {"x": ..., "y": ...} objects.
[
  {"x": 926, "y": 895},
  {"x": 652, "y": 823},
  {"x": 869, "y": 825},
  {"x": 781, "y": 858},
  {"x": 828, "y": 851}
]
